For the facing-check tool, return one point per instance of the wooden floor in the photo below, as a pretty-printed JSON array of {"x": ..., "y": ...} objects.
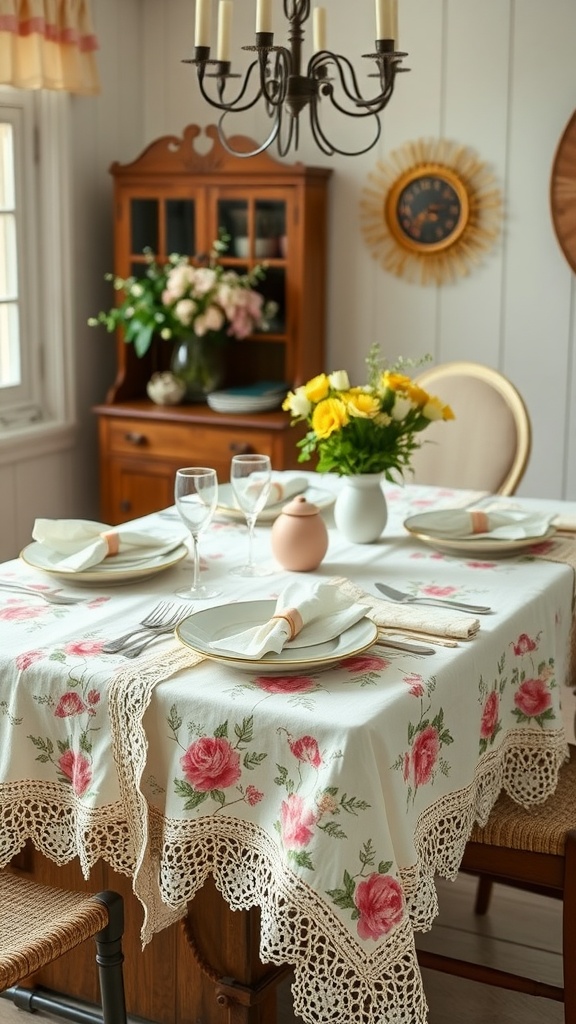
[{"x": 520, "y": 932}]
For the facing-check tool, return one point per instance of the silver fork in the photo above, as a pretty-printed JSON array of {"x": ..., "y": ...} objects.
[
  {"x": 439, "y": 602},
  {"x": 53, "y": 595},
  {"x": 163, "y": 618}
]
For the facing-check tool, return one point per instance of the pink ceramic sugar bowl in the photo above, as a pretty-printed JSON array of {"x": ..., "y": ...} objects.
[{"x": 299, "y": 536}]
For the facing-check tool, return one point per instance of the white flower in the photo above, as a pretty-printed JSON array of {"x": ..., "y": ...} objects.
[
  {"x": 401, "y": 408},
  {"x": 339, "y": 380},
  {"x": 212, "y": 320},
  {"x": 298, "y": 403},
  {"x": 205, "y": 279},
  {"x": 184, "y": 311},
  {"x": 136, "y": 290}
]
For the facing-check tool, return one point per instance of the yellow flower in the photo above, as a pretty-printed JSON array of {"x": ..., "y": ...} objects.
[
  {"x": 396, "y": 381},
  {"x": 418, "y": 395},
  {"x": 317, "y": 388},
  {"x": 328, "y": 417},
  {"x": 362, "y": 404}
]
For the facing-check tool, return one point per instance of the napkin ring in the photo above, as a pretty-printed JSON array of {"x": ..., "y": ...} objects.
[
  {"x": 293, "y": 618},
  {"x": 479, "y": 521},
  {"x": 112, "y": 541}
]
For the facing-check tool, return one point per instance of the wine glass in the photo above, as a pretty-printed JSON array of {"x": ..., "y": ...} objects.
[
  {"x": 251, "y": 476},
  {"x": 196, "y": 494}
]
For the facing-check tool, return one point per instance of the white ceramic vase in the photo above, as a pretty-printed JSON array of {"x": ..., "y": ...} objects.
[{"x": 360, "y": 512}]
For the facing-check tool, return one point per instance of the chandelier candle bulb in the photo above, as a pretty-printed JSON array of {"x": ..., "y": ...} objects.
[
  {"x": 386, "y": 19},
  {"x": 319, "y": 29},
  {"x": 202, "y": 27},
  {"x": 224, "y": 30},
  {"x": 263, "y": 16}
]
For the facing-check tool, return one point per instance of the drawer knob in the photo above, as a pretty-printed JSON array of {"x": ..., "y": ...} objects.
[
  {"x": 125, "y": 506},
  {"x": 240, "y": 449},
  {"x": 133, "y": 438}
]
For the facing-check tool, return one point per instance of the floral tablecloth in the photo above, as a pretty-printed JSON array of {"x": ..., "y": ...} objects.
[{"x": 329, "y": 798}]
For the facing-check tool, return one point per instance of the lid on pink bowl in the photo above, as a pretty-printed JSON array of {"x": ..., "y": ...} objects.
[{"x": 300, "y": 507}]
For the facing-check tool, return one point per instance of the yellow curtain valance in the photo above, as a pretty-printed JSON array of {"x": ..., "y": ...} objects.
[{"x": 48, "y": 44}]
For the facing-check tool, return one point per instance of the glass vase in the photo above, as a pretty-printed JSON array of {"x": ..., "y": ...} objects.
[{"x": 200, "y": 363}]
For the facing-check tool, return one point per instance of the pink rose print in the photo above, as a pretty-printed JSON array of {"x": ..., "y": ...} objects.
[
  {"x": 253, "y": 795},
  {"x": 490, "y": 713},
  {"x": 481, "y": 565},
  {"x": 415, "y": 685},
  {"x": 24, "y": 661},
  {"x": 306, "y": 749},
  {"x": 381, "y": 905},
  {"x": 365, "y": 663},
  {"x": 19, "y": 612},
  {"x": 533, "y": 698},
  {"x": 524, "y": 645},
  {"x": 211, "y": 763},
  {"x": 436, "y": 591},
  {"x": 285, "y": 684},
  {"x": 84, "y": 648},
  {"x": 296, "y": 822},
  {"x": 93, "y": 698},
  {"x": 425, "y": 750},
  {"x": 69, "y": 704},
  {"x": 76, "y": 767}
]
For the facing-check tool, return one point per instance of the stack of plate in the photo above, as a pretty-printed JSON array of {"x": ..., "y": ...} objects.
[{"x": 254, "y": 398}]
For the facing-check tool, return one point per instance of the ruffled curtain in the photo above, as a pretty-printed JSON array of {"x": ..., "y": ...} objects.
[{"x": 48, "y": 44}]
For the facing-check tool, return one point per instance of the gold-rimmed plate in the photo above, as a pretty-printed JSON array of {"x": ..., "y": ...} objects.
[
  {"x": 485, "y": 547},
  {"x": 109, "y": 572},
  {"x": 201, "y": 629},
  {"x": 228, "y": 509}
]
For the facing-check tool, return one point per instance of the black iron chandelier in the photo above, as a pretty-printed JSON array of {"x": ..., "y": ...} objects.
[{"x": 275, "y": 75}]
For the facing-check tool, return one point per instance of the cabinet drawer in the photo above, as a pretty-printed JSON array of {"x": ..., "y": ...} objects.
[{"x": 190, "y": 444}]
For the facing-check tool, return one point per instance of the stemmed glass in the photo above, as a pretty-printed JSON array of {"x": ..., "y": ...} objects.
[
  {"x": 196, "y": 494},
  {"x": 250, "y": 476}
]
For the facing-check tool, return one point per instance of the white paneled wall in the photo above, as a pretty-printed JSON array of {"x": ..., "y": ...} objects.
[{"x": 499, "y": 77}]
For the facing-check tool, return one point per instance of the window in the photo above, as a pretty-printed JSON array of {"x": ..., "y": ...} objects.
[{"x": 34, "y": 258}]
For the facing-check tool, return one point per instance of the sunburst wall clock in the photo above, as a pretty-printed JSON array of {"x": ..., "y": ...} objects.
[
  {"x": 563, "y": 192},
  {"x": 431, "y": 211}
]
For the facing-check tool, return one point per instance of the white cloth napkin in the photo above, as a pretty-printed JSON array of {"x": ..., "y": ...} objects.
[
  {"x": 423, "y": 619},
  {"x": 304, "y": 615},
  {"x": 85, "y": 543},
  {"x": 506, "y": 525},
  {"x": 280, "y": 489}
]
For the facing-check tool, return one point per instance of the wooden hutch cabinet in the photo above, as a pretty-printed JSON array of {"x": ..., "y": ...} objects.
[{"x": 175, "y": 199}]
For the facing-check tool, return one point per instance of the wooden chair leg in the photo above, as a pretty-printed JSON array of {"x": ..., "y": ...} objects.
[
  {"x": 483, "y": 894},
  {"x": 569, "y": 929},
  {"x": 109, "y": 957}
]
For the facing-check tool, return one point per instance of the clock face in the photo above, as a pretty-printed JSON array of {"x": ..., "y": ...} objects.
[{"x": 427, "y": 209}]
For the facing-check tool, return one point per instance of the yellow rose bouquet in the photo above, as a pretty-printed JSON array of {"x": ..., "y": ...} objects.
[{"x": 374, "y": 428}]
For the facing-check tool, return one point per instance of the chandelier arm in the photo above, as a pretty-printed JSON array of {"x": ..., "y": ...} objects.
[
  {"x": 279, "y": 80},
  {"x": 324, "y": 59},
  {"x": 253, "y": 152},
  {"x": 283, "y": 146},
  {"x": 231, "y": 105},
  {"x": 329, "y": 148}
]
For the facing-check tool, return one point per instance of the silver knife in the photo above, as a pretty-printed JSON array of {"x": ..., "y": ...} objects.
[
  {"x": 437, "y": 602},
  {"x": 399, "y": 645}
]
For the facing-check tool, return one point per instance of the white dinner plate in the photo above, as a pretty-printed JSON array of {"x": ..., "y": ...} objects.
[
  {"x": 198, "y": 631},
  {"x": 40, "y": 557},
  {"x": 487, "y": 547},
  {"x": 228, "y": 508}
]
